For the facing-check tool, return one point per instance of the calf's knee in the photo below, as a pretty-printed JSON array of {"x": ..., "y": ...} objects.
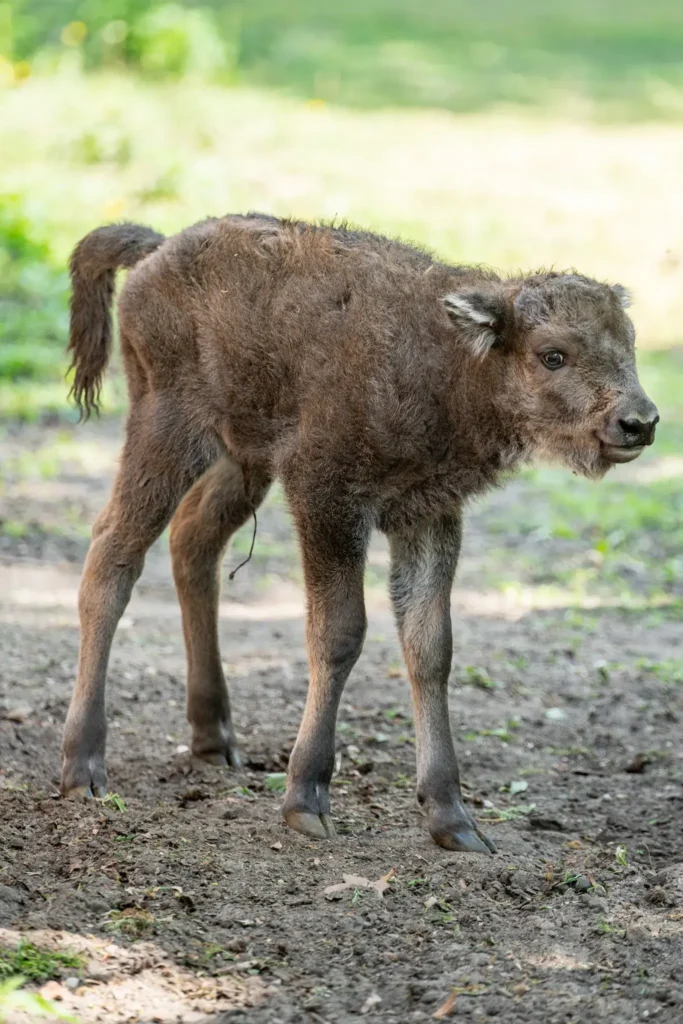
[{"x": 344, "y": 643}]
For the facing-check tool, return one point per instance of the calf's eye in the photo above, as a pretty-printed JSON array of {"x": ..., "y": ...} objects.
[{"x": 553, "y": 360}]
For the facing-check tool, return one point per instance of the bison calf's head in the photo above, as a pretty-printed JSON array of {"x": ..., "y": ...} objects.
[{"x": 564, "y": 352}]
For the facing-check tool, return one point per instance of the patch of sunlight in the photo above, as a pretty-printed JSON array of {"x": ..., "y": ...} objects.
[
  {"x": 558, "y": 959},
  {"x": 138, "y": 982},
  {"x": 274, "y": 611},
  {"x": 257, "y": 663},
  {"x": 668, "y": 468},
  {"x": 38, "y": 586},
  {"x": 62, "y": 597},
  {"x": 515, "y": 600},
  {"x": 65, "y": 453},
  {"x": 661, "y": 924}
]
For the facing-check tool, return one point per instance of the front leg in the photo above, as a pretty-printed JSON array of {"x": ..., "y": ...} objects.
[
  {"x": 333, "y": 538},
  {"x": 423, "y": 563}
]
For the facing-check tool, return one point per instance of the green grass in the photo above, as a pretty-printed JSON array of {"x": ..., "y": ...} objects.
[
  {"x": 669, "y": 671},
  {"x": 36, "y": 964},
  {"x": 31, "y": 1004},
  {"x": 617, "y": 59},
  {"x": 496, "y": 814},
  {"x": 276, "y": 782},
  {"x": 509, "y": 189},
  {"x": 133, "y": 922},
  {"x": 114, "y": 802},
  {"x": 33, "y": 303}
]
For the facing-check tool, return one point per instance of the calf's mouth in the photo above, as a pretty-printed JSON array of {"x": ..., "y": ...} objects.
[{"x": 621, "y": 452}]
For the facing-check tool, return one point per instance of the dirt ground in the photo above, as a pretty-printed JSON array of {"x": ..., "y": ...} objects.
[{"x": 188, "y": 898}]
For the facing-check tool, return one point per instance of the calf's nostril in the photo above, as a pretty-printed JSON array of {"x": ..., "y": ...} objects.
[
  {"x": 639, "y": 431},
  {"x": 635, "y": 427}
]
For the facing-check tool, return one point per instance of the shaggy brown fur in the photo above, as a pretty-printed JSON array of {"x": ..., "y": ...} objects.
[{"x": 384, "y": 388}]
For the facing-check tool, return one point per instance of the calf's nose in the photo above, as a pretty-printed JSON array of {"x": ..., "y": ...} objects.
[{"x": 638, "y": 425}]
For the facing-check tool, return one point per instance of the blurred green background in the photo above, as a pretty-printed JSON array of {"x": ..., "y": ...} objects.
[
  {"x": 518, "y": 135},
  {"x": 459, "y": 54}
]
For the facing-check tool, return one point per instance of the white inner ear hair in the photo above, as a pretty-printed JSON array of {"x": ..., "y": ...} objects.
[
  {"x": 462, "y": 309},
  {"x": 468, "y": 311}
]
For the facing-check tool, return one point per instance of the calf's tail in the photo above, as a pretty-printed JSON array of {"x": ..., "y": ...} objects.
[{"x": 92, "y": 266}]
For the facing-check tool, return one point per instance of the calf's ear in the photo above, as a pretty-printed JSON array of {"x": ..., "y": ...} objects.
[
  {"x": 623, "y": 294},
  {"x": 480, "y": 317}
]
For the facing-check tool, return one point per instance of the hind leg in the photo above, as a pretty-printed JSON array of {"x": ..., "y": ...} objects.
[
  {"x": 218, "y": 504},
  {"x": 159, "y": 463}
]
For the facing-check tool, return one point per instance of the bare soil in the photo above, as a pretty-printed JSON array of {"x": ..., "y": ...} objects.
[{"x": 189, "y": 899}]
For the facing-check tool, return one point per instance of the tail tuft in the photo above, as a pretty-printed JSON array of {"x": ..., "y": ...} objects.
[{"x": 93, "y": 266}]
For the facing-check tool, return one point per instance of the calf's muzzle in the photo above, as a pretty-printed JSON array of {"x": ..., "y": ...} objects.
[{"x": 630, "y": 429}]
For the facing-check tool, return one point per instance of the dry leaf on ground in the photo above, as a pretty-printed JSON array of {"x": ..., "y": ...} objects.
[
  {"x": 53, "y": 990},
  {"x": 446, "y": 1009},
  {"x": 358, "y": 882},
  {"x": 371, "y": 1002}
]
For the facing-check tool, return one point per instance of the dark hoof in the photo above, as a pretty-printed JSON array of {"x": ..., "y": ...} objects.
[
  {"x": 307, "y": 809},
  {"x": 83, "y": 793},
  {"x": 209, "y": 757},
  {"x": 454, "y": 828},
  {"x": 84, "y": 780},
  {"x": 220, "y": 750},
  {"x": 317, "y": 826},
  {"x": 464, "y": 841}
]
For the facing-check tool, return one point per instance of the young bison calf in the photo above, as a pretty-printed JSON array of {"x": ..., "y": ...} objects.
[{"x": 384, "y": 389}]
